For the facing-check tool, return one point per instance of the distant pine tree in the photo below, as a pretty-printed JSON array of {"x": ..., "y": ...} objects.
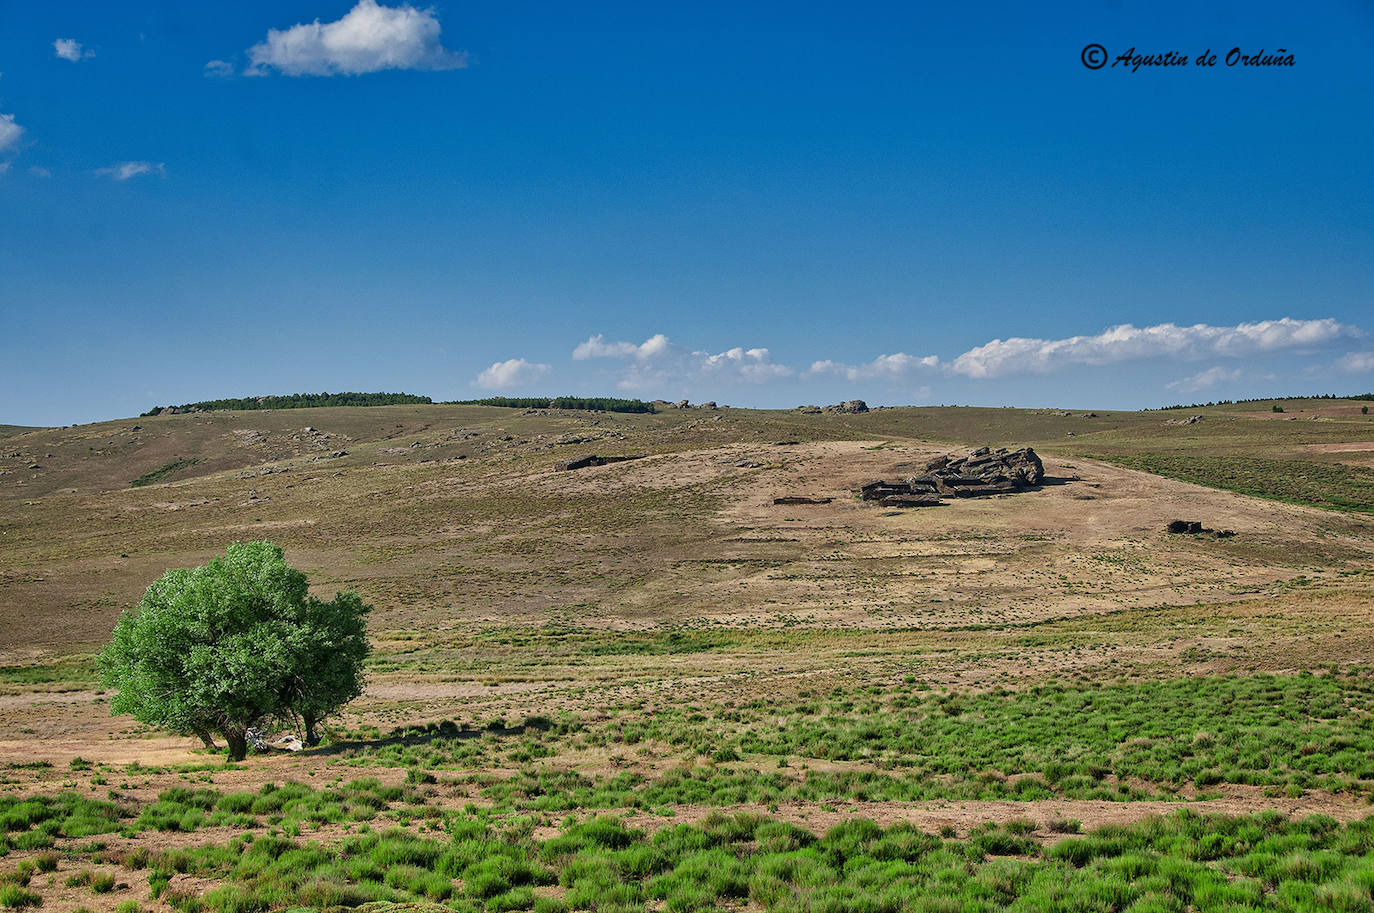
[
  {"x": 1367, "y": 397},
  {"x": 300, "y": 401},
  {"x": 595, "y": 403}
]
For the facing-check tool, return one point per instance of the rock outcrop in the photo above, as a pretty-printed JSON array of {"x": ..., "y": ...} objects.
[
  {"x": 980, "y": 473},
  {"x": 591, "y": 459}
]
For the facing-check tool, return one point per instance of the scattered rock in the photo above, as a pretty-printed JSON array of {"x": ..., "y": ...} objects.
[
  {"x": 681, "y": 404},
  {"x": 808, "y": 410},
  {"x": 1225, "y": 533},
  {"x": 795, "y": 499},
  {"x": 334, "y": 455},
  {"x": 785, "y": 443},
  {"x": 260, "y": 741},
  {"x": 848, "y": 407}
]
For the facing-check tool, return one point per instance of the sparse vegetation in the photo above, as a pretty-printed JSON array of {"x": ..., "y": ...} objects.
[
  {"x": 1335, "y": 486},
  {"x": 478, "y": 862}
]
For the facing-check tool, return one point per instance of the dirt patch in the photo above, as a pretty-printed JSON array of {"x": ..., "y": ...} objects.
[{"x": 1352, "y": 453}]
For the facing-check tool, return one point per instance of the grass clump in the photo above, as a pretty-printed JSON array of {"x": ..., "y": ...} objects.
[
  {"x": 163, "y": 471},
  {"x": 17, "y": 897}
]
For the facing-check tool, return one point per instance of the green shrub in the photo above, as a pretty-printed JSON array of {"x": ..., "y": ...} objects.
[{"x": 15, "y": 897}]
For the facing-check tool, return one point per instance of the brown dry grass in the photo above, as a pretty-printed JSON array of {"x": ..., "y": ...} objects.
[{"x": 453, "y": 523}]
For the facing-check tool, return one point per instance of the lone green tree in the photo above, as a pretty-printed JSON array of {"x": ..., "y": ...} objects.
[{"x": 235, "y": 644}]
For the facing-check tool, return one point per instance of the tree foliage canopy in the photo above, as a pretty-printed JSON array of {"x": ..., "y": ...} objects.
[
  {"x": 590, "y": 403},
  {"x": 233, "y": 644},
  {"x": 299, "y": 401}
]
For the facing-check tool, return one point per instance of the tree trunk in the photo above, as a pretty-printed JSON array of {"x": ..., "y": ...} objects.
[
  {"x": 312, "y": 738},
  {"x": 209, "y": 740},
  {"x": 238, "y": 743}
]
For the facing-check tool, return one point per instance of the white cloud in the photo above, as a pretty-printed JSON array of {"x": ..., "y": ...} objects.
[
  {"x": 513, "y": 372},
  {"x": 370, "y": 37},
  {"x": 748, "y": 364},
  {"x": 1356, "y": 363},
  {"x": 70, "y": 49},
  {"x": 1204, "y": 379},
  {"x": 9, "y": 131},
  {"x": 657, "y": 363},
  {"x": 219, "y": 68},
  {"x": 125, "y": 170},
  {"x": 597, "y": 347},
  {"x": 888, "y": 367},
  {"x": 39, "y": 171},
  {"x": 1125, "y": 342}
]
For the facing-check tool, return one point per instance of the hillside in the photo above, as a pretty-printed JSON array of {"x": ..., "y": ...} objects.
[
  {"x": 455, "y": 512},
  {"x": 657, "y": 639}
]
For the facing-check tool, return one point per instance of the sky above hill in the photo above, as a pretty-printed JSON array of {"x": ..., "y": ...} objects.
[{"x": 756, "y": 203}]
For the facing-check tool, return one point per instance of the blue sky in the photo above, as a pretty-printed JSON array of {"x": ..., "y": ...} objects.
[{"x": 761, "y": 204}]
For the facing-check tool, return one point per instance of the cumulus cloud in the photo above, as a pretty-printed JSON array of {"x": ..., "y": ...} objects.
[
  {"x": 9, "y": 132},
  {"x": 1126, "y": 342},
  {"x": 1204, "y": 379},
  {"x": 222, "y": 69},
  {"x": 370, "y": 37},
  {"x": 894, "y": 367},
  {"x": 514, "y": 372},
  {"x": 748, "y": 364},
  {"x": 597, "y": 347},
  {"x": 70, "y": 49},
  {"x": 657, "y": 363},
  {"x": 1356, "y": 363},
  {"x": 122, "y": 171}
]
